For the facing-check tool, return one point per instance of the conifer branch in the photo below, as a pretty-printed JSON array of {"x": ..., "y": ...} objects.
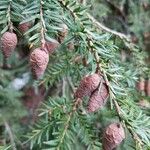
[
  {"x": 102, "y": 27},
  {"x": 10, "y": 24},
  {"x": 96, "y": 56},
  {"x": 76, "y": 103},
  {"x": 117, "y": 107},
  {"x": 134, "y": 135},
  {"x": 10, "y": 28},
  {"x": 71, "y": 84},
  {"x": 69, "y": 9},
  {"x": 97, "y": 59},
  {"x": 119, "y": 113},
  {"x": 10, "y": 135},
  {"x": 43, "y": 28},
  {"x": 118, "y": 110},
  {"x": 101, "y": 55}
]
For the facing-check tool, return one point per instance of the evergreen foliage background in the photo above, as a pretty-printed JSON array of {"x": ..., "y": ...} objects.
[{"x": 111, "y": 36}]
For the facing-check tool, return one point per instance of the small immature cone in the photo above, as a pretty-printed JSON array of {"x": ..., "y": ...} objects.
[
  {"x": 134, "y": 39},
  {"x": 71, "y": 46},
  {"x": 24, "y": 27},
  {"x": 38, "y": 60},
  {"x": 87, "y": 85},
  {"x": 99, "y": 98},
  {"x": 84, "y": 62},
  {"x": 147, "y": 35},
  {"x": 63, "y": 33},
  {"x": 51, "y": 45},
  {"x": 141, "y": 84},
  {"x": 8, "y": 43},
  {"x": 146, "y": 6},
  {"x": 113, "y": 136},
  {"x": 148, "y": 87}
]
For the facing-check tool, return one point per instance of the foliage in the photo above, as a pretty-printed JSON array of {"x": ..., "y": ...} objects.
[{"x": 63, "y": 121}]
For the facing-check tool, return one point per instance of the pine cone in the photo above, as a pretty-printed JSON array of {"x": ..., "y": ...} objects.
[
  {"x": 8, "y": 43},
  {"x": 146, "y": 6},
  {"x": 63, "y": 33},
  {"x": 51, "y": 45},
  {"x": 146, "y": 35},
  {"x": 38, "y": 61},
  {"x": 99, "y": 98},
  {"x": 113, "y": 136},
  {"x": 141, "y": 84},
  {"x": 24, "y": 27},
  {"x": 134, "y": 39},
  {"x": 148, "y": 87},
  {"x": 87, "y": 85}
]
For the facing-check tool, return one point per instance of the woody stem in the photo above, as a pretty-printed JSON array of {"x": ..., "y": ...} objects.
[
  {"x": 10, "y": 25},
  {"x": 42, "y": 24}
]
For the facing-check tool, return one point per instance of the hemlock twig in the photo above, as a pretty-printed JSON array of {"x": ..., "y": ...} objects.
[
  {"x": 76, "y": 103},
  {"x": 71, "y": 84},
  {"x": 10, "y": 25},
  {"x": 63, "y": 87},
  {"x": 102, "y": 27},
  {"x": 42, "y": 25},
  {"x": 10, "y": 135},
  {"x": 96, "y": 56}
]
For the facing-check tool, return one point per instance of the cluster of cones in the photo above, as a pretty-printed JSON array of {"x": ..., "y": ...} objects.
[
  {"x": 39, "y": 57},
  {"x": 95, "y": 87},
  {"x": 9, "y": 40}
]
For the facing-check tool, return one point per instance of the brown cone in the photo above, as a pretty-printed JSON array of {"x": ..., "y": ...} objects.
[
  {"x": 38, "y": 61},
  {"x": 146, "y": 6},
  {"x": 148, "y": 87},
  {"x": 51, "y": 45},
  {"x": 98, "y": 98},
  {"x": 134, "y": 39},
  {"x": 87, "y": 85},
  {"x": 147, "y": 35},
  {"x": 71, "y": 46},
  {"x": 141, "y": 84},
  {"x": 113, "y": 136},
  {"x": 8, "y": 43},
  {"x": 24, "y": 27}
]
